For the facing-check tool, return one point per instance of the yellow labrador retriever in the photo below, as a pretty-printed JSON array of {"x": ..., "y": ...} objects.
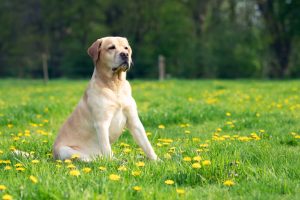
[{"x": 105, "y": 108}]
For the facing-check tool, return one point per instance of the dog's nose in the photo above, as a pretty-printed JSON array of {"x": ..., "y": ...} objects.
[{"x": 124, "y": 56}]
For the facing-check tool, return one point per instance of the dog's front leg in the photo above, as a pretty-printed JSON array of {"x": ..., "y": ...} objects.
[
  {"x": 102, "y": 130},
  {"x": 137, "y": 130}
]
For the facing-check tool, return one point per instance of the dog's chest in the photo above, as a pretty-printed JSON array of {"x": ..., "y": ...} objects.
[{"x": 117, "y": 125}]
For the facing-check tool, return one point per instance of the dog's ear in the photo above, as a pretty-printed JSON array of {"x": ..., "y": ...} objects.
[{"x": 94, "y": 50}]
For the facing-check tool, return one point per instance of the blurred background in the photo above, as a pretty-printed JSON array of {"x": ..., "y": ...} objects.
[{"x": 197, "y": 38}]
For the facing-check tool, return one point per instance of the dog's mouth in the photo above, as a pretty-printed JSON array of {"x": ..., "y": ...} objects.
[{"x": 123, "y": 67}]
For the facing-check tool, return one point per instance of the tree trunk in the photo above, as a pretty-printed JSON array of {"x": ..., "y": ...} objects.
[{"x": 280, "y": 43}]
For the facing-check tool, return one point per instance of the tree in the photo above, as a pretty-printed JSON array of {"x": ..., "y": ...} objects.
[{"x": 282, "y": 23}]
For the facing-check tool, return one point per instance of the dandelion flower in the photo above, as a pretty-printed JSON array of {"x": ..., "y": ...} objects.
[
  {"x": 33, "y": 179},
  {"x": 71, "y": 166},
  {"x": 161, "y": 126},
  {"x": 169, "y": 182},
  {"x": 74, "y": 173},
  {"x": 7, "y": 167},
  {"x": 86, "y": 170},
  {"x": 136, "y": 188},
  {"x": 187, "y": 159},
  {"x": 122, "y": 168},
  {"x": 35, "y": 161},
  {"x": 197, "y": 158},
  {"x": 228, "y": 114},
  {"x": 2, "y": 187},
  {"x": 127, "y": 150},
  {"x": 136, "y": 173},
  {"x": 75, "y": 156},
  {"x": 68, "y": 161},
  {"x": 196, "y": 165},
  {"x": 18, "y": 165},
  {"x": 180, "y": 191},
  {"x": 7, "y": 197},
  {"x": 20, "y": 169},
  {"x": 140, "y": 164},
  {"x": 1, "y": 152},
  {"x": 187, "y": 132},
  {"x": 228, "y": 183},
  {"x": 102, "y": 168},
  {"x": 114, "y": 177},
  {"x": 206, "y": 162}
]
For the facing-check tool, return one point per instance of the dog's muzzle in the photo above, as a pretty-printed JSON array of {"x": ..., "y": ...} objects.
[{"x": 123, "y": 67}]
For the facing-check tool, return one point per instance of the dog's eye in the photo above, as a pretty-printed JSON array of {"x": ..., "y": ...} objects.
[
  {"x": 112, "y": 47},
  {"x": 126, "y": 48}
]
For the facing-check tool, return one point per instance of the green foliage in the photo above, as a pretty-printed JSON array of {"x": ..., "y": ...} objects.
[{"x": 250, "y": 128}]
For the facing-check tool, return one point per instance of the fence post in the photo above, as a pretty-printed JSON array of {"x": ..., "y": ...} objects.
[
  {"x": 161, "y": 67},
  {"x": 45, "y": 68}
]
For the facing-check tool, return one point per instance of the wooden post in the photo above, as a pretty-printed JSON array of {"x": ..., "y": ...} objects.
[
  {"x": 161, "y": 67},
  {"x": 45, "y": 68}
]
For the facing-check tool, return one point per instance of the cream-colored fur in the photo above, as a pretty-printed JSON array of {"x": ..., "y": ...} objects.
[{"x": 105, "y": 108}]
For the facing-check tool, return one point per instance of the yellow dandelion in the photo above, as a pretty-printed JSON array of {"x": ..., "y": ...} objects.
[
  {"x": 206, "y": 162},
  {"x": 127, "y": 150},
  {"x": 6, "y": 161},
  {"x": 18, "y": 165},
  {"x": 1, "y": 152},
  {"x": 7, "y": 197},
  {"x": 122, "y": 168},
  {"x": 58, "y": 161},
  {"x": 187, "y": 159},
  {"x": 136, "y": 188},
  {"x": 102, "y": 168},
  {"x": 203, "y": 145},
  {"x": 7, "y": 167},
  {"x": 35, "y": 161},
  {"x": 228, "y": 183},
  {"x": 2, "y": 187},
  {"x": 180, "y": 191},
  {"x": 75, "y": 156},
  {"x": 219, "y": 130},
  {"x": 20, "y": 169},
  {"x": 140, "y": 164},
  {"x": 71, "y": 166},
  {"x": 86, "y": 170},
  {"x": 228, "y": 114},
  {"x": 136, "y": 173},
  {"x": 148, "y": 134},
  {"x": 197, "y": 158},
  {"x": 68, "y": 161},
  {"x": 33, "y": 179},
  {"x": 196, "y": 165},
  {"x": 114, "y": 177},
  {"x": 187, "y": 132},
  {"x": 297, "y": 136},
  {"x": 10, "y": 125},
  {"x": 74, "y": 172},
  {"x": 161, "y": 126},
  {"x": 169, "y": 182}
]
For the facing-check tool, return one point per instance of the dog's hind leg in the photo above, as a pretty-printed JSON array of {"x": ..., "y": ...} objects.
[{"x": 66, "y": 152}]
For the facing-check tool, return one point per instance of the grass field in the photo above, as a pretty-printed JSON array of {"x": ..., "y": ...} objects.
[{"x": 216, "y": 140}]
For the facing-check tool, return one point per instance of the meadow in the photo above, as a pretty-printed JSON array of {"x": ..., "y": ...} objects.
[{"x": 216, "y": 140}]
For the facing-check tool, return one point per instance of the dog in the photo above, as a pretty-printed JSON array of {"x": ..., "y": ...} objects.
[{"x": 105, "y": 109}]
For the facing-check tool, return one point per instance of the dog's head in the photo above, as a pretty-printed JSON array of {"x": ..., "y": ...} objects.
[{"x": 112, "y": 52}]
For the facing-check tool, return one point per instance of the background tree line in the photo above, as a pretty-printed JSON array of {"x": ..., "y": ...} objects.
[{"x": 199, "y": 38}]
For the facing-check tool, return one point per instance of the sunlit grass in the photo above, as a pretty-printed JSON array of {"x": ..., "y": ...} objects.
[{"x": 216, "y": 139}]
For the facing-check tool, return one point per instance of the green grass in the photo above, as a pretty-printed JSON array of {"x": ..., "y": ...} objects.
[{"x": 267, "y": 167}]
